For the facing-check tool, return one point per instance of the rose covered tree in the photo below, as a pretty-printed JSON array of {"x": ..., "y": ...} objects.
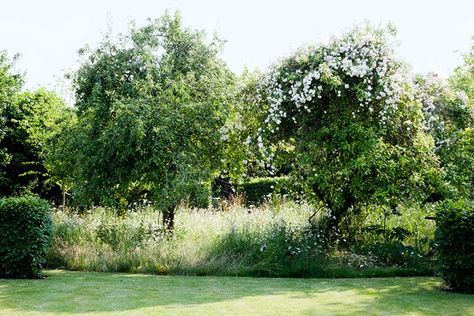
[{"x": 350, "y": 116}]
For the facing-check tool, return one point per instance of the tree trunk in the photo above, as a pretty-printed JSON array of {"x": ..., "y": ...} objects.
[
  {"x": 64, "y": 200},
  {"x": 168, "y": 220}
]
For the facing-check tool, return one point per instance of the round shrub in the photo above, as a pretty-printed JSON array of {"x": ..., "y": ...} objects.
[
  {"x": 455, "y": 244},
  {"x": 25, "y": 235}
]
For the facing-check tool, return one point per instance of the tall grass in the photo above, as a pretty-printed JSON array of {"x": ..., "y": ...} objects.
[{"x": 271, "y": 240}]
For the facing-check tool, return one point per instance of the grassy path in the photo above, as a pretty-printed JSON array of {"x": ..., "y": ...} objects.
[{"x": 65, "y": 292}]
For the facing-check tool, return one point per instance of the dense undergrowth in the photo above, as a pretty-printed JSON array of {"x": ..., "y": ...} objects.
[{"x": 271, "y": 240}]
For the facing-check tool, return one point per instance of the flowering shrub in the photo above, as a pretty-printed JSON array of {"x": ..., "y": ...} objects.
[{"x": 348, "y": 112}]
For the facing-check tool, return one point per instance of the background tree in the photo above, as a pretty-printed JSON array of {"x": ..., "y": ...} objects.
[
  {"x": 31, "y": 118},
  {"x": 44, "y": 115},
  {"x": 28, "y": 119},
  {"x": 462, "y": 151},
  {"x": 463, "y": 77},
  {"x": 10, "y": 84},
  {"x": 241, "y": 160},
  {"x": 150, "y": 108},
  {"x": 449, "y": 118}
]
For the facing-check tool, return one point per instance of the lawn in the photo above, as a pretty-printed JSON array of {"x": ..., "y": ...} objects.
[{"x": 65, "y": 292}]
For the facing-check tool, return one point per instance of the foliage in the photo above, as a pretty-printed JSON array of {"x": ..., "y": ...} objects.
[
  {"x": 450, "y": 119},
  {"x": 458, "y": 161},
  {"x": 32, "y": 119},
  {"x": 25, "y": 233},
  {"x": 463, "y": 77},
  {"x": 27, "y": 119},
  {"x": 241, "y": 156},
  {"x": 348, "y": 112},
  {"x": 150, "y": 106},
  {"x": 242, "y": 162},
  {"x": 10, "y": 85},
  {"x": 455, "y": 244},
  {"x": 446, "y": 109}
]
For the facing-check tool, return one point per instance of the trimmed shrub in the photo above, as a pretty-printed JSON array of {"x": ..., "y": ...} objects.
[
  {"x": 455, "y": 244},
  {"x": 25, "y": 234},
  {"x": 258, "y": 189}
]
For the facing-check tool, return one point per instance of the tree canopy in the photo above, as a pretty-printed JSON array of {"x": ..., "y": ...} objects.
[{"x": 150, "y": 107}]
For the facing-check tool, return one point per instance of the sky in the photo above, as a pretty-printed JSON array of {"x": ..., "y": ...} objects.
[{"x": 433, "y": 35}]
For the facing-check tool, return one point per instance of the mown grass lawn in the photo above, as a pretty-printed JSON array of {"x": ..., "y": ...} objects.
[{"x": 65, "y": 292}]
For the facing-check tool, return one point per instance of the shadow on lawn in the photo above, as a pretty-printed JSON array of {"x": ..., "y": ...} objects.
[{"x": 77, "y": 292}]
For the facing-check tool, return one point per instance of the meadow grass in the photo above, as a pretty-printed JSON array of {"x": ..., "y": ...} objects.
[
  {"x": 81, "y": 293},
  {"x": 274, "y": 240}
]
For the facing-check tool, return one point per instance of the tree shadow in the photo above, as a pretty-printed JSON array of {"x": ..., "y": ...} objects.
[{"x": 110, "y": 293}]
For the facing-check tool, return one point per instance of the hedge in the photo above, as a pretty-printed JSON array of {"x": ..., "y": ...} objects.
[
  {"x": 25, "y": 234},
  {"x": 257, "y": 190},
  {"x": 455, "y": 244}
]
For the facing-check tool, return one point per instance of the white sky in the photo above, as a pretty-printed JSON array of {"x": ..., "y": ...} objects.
[{"x": 432, "y": 34}]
